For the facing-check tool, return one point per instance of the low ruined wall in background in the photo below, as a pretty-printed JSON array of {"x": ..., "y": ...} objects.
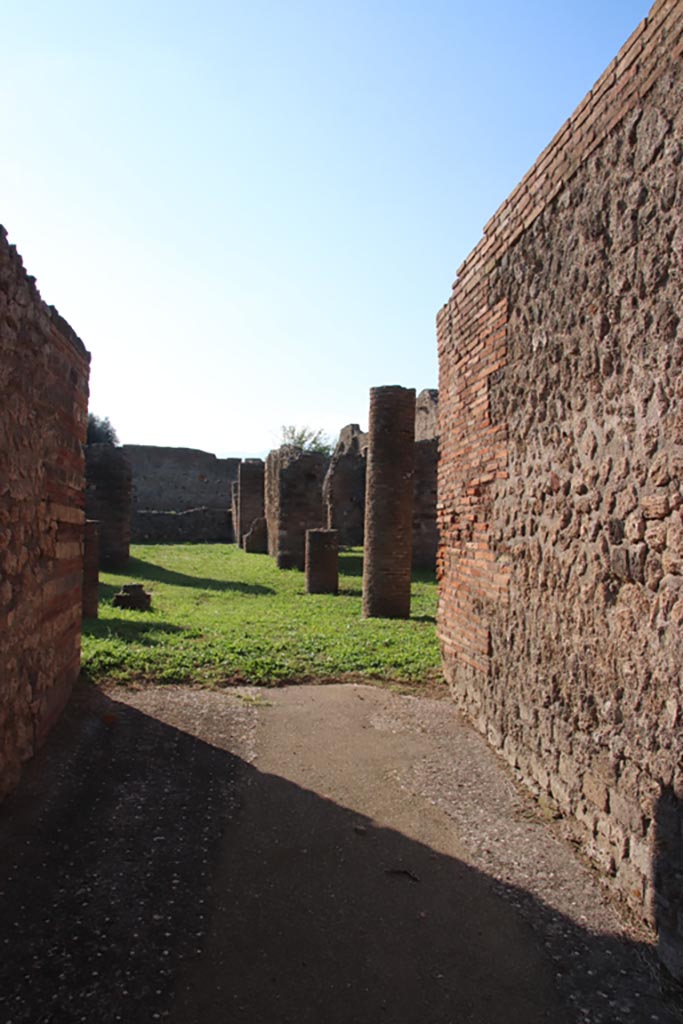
[
  {"x": 561, "y": 476},
  {"x": 194, "y": 526},
  {"x": 44, "y": 372},
  {"x": 179, "y": 480}
]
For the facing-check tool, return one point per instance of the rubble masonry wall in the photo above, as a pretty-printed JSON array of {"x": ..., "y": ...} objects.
[
  {"x": 44, "y": 372},
  {"x": 561, "y": 476}
]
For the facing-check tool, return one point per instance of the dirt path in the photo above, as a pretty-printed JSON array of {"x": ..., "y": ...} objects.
[{"x": 311, "y": 854}]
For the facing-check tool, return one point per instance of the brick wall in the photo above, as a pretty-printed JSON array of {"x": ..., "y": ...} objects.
[
  {"x": 43, "y": 411},
  {"x": 561, "y": 476}
]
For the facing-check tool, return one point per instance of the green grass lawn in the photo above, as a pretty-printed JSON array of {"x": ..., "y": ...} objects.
[{"x": 220, "y": 616}]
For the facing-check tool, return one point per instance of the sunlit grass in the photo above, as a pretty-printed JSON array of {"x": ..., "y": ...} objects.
[{"x": 221, "y": 616}]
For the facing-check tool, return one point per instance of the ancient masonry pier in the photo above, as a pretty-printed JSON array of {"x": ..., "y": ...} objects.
[
  {"x": 294, "y": 502},
  {"x": 108, "y": 499},
  {"x": 389, "y": 503},
  {"x": 322, "y": 562},
  {"x": 91, "y": 568},
  {"x": 250, "y": 497}
]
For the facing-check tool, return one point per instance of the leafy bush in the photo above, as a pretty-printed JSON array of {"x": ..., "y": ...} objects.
[{"x": 100, "y": 431}]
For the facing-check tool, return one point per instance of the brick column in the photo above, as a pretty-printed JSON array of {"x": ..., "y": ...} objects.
[
  {"x": 250, "y": 496},
  {"x": 322, "y": 562},
  {"x": 389, "y": 503},
  {"x": 91, "y": 568}
]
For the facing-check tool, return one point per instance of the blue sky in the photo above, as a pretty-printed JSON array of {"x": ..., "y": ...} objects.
[{"x": 251, "y": 212}]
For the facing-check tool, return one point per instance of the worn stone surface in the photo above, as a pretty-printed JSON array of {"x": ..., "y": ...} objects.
[
  {"x": 255, "y": 541},
  {"x": 322, "y": 562},
  {"x": 309, "y": 808},
  {"x": 344, "y": 486},
  {"x": 294, "y": 502},
  {"x": 250, "y": 497},
  {"x": 561, "y": 480},
  {"x": 427, "y": 415},
  {"x": 389, "y": 503},
  {"x": 425, "y": 531},
  {"x": 43, "y": 411},
  {"x": 193, "y": 526},
  {"x": 108, "y": 500},
  {"x": 91, "y": 569}
]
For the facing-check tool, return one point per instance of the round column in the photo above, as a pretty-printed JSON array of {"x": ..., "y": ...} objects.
[{"x": 389, "y": 503}]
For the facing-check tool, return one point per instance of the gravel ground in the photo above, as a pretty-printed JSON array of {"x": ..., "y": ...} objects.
[{"x": 335, "y": 853}]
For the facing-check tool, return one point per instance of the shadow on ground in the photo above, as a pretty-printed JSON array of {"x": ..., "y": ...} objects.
[
  {"x": 147, "y": 631},
  {"x": 139, "y": 569},
  {"x": 146, "y": 872}
]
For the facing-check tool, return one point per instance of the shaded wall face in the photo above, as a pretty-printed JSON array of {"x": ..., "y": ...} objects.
[
  {"x": 293, "y": 496},
  {"x": 561, "y": 485},
  {"x": 425, "y": 531},
  {"x": 250, "y": 496},
  {"x": 108, "y": 500},
  {"x": 43, "y": 411},
  {"x": 178, "y": 479},
  {"x": 344, "y": 496}
]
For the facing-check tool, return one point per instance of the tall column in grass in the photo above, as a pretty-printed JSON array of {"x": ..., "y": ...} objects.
[
  {"x": 389, "y": 503},
  {"x": 250, "y": 498}
]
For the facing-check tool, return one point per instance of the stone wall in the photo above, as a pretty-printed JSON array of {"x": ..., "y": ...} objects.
[
  {"x": 180, "y": 480},
  {"x": 561, "y": 476},
  {"x": 250, "y": 497},
  {"x": 43, "y": 413},
  {"x": 344, "y": 486},
  {"x": 425, "y": 530},
  {"x": 193, "y": 526},
  {"x": 294, "y": 502},
  {"x": 427, "y": 415},
  {"x": 108, "y": 501}
]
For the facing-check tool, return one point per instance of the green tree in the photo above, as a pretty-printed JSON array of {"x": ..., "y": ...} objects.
[
  {"x": 100, "y": 431},
  {"x": 306, "y": 438}
]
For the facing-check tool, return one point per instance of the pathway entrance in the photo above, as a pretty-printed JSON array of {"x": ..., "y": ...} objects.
[{"x": 331, "y": 854}]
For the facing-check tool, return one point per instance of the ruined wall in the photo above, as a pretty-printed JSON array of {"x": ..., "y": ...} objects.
[
  {"x": 250, "y": 497},
  {"x": 43, "y": 412},
  {"x": 180, "y": 480},
  {"x": 344, "y": 486},
  {"x": 108, "y": 501},
  {"x": 294, "y": 502},
  {"x": 561, "y": 476},
  {"x": 193, "y": 526},
  {"x": 427, "y": 415},
  {"x": 425, "y": 530}
]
